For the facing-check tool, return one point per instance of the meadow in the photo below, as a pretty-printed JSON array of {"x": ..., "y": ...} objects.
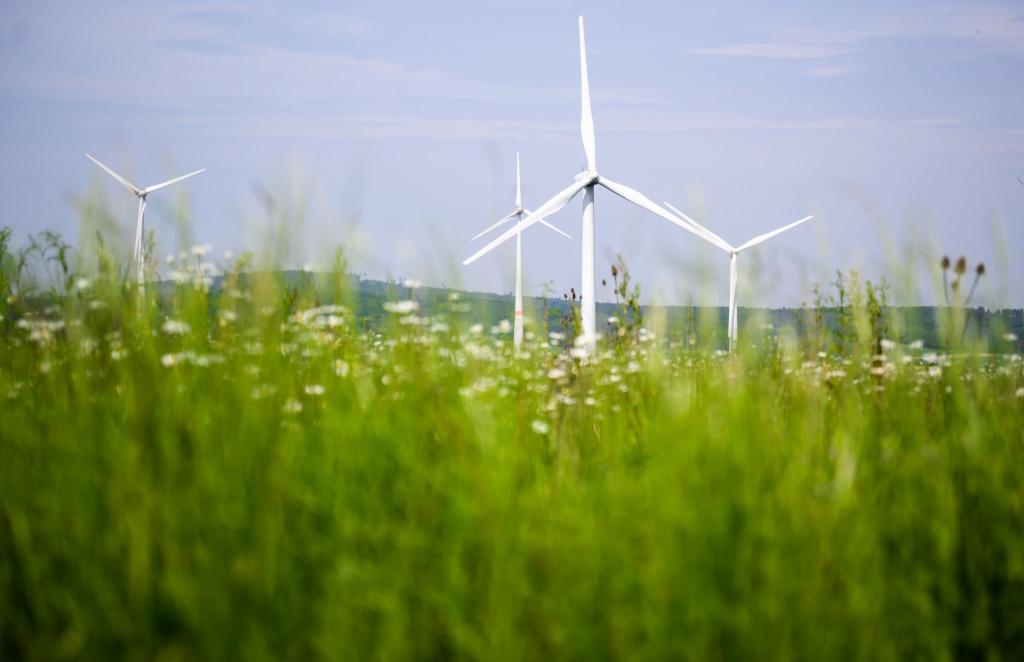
[{"x": 253, "y": 472}]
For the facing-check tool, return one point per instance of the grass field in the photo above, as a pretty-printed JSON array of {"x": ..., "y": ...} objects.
[{"x": 256, "y": 477}]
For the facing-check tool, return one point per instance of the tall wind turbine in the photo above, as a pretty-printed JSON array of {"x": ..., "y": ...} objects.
[
  {"x": 517, "y": 213},
  {"x": 586, "y": 182},
  {"x": 734, "y": 252},
  {"x": 138, "y": 252}
]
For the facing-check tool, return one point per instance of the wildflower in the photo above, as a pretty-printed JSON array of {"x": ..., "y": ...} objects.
[
  {"x": 917, "y": 344},
  {"x": 613, "y": 320},
  {"x": 476, "y": 329},
  {"x": 168, "y": 360},
  {"x": 228, "y": 256},
  {"x": 453, "y": 296},
  {"x": 413, "y": 284},
  {"x": 201, "y": 250},
  {"x": 341, "y": 368},
  {"x": 540, "y": 427},
  {"x": 438, "y": 327},
  {"x": 1011, "y": 337},
  {"x": 822, "y": 355},
  {"x": 556, "y": 373},
  {"x": 292, "y": 406},
  {"x": 590, "y": 401},
  {"x": 887, "y": 345},
  {"x": 935, "y": 371},
  {"x": 308, "y": 268},
  {"x": 82, "y": 284},
  {"x": 175, "y": 327},
  {"x": 1019, "y": 392},
  {"x": 314, "y": 389},
  {"x": 170, "y": 259},
  {"x": 401, "y": 307},
  {"x": 504, "y": 326}
]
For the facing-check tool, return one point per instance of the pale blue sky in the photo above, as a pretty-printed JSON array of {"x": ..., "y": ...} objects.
[{"x": 899, "y": 125}]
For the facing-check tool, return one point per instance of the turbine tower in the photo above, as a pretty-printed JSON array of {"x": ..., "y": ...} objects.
[
  {"x": 517, "y": 213},
  {"x": 734, "y": 252},
  {"x": 138, "y": 252},
  {"x": 586, "y": 182}
]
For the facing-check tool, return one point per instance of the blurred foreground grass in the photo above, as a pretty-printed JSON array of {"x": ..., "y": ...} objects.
[{"x": 255, "y": 477}]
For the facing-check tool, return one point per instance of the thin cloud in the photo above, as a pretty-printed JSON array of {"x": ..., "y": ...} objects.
[
  {"x": 768, "y": 50},
  {"x": 825, "y": 71}
]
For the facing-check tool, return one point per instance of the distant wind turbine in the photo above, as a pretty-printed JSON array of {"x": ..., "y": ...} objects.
[
  {"x": 733, "y": 252},
  {"x": 138, "y": 253},
  {"x": 517, "y": 214},
  {"x": 585, "y": 181},
  {"x": 1021, "y": 181}
]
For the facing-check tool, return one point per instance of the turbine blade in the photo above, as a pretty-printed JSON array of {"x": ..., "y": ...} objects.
[
  {"x": 642, "y": 201},
  {"x": 506, "y": 219},
  {"x": 560, "y": 200},
  {"x": 519, "y": 190},
  {"x": 124, "y": 182},
  {"x": 545, "y": 223},
  {"x": 711, "y": 236},
  {"x": 586, "y": 116},
  {"x": 157, "y": 187},
  {"x": 768, "y": 235},
  {"x": 1021, "y": 181}
]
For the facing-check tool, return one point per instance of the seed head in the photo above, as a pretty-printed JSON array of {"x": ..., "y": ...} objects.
[
  {"x": 945, "y": 262},
  {"x": 980, "y": 269},
  {"x": 615, "y": 271},
  {"x": 961, "y": 265}
]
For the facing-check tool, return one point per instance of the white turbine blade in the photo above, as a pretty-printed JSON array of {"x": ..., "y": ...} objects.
[
  {"x": 124, "y": 182},
  {"x": 545, "y": 223},
  {"x": 642, "y": 201},
  {"x": 586, "y": 116},
  {"x": 499, "y": 223},
  {"x": 711, "y": 236},
  {"x": 157, "y": 187},
  {"x": 768, "y": 235},
  {"x": 560, "y": 200},
  {"x": 519, "y": 190}
]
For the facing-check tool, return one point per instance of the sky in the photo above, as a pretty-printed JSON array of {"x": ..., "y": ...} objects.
[{"x": 390, "y": 129}]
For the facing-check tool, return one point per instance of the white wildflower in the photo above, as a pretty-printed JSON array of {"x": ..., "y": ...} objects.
[
  {"x": 540, "y": 427},
  {"x": 1019, "y": 392},
  {"x": 476, "y": 329},
  {"x": 175, "y": 327},
  {"x": 314, "y": 389},
  {"x": 229, "y": 255},
  {"x": 1012, "y": 337},
  {"x": 308, "y": 268},
  {"x": 556, "y": 373},
  {"x": 292, "y": 406},
  {"x": 168, "y": 360},
  {"x": 82, "y": 284},
  {"x": 200, "y": 250},
  {"x": 341, "y": 368},
  {"x": 935, "y": 371},
  {"x": 917, "y": 344},
  {"x": 504, "y": 326},
  {"x": 613, "y": 320},
  {"x": 887, "y": 345},
  {"x": 401, "y": 307}
]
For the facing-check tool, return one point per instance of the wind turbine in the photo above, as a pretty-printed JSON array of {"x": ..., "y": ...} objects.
[
  {"x": 734, "y": 252},
  {"x": 586, "y": 181},
  {"x": 138, "y": 253},
  {"x": 517, "y": 214}
]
